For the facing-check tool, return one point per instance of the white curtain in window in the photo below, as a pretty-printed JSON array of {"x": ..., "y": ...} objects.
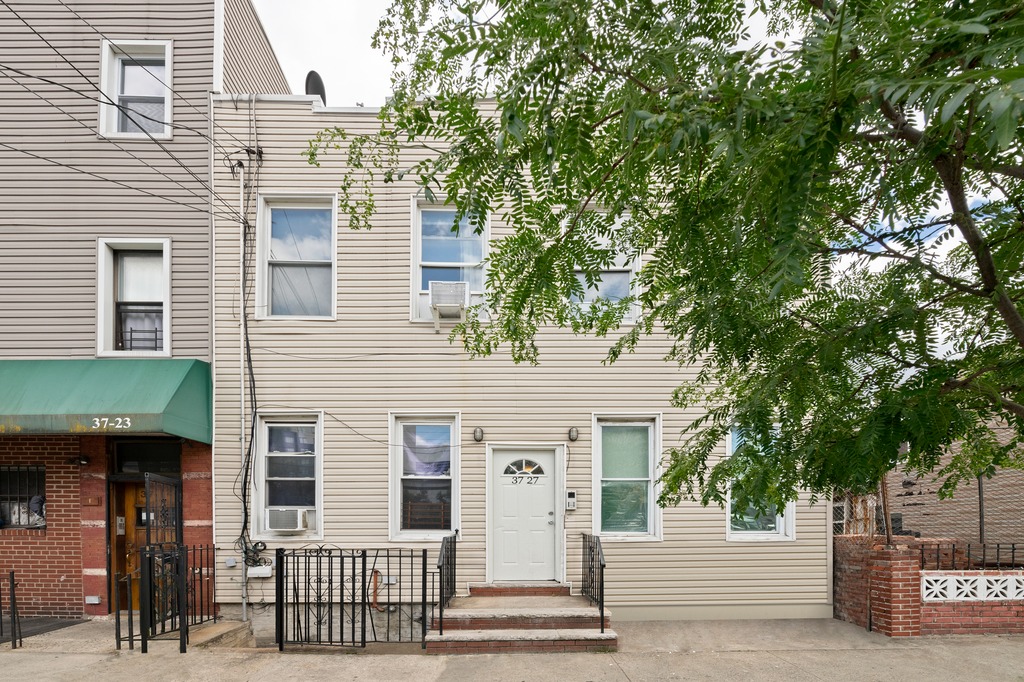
[{"x": 142, "y": 277}]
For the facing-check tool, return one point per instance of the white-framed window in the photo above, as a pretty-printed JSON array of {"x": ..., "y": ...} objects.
[
  {"x": 750, "y": 525},
  {"x": 424, "y": 475},
  {"x": 135, "y": 77},
  {"x": 444, "y": 253},
  {"x": 133, "y": 297},
  {"x": 626, "y": 469},
  {"x": 288, "y": 495},
  {"x": 297, "y": 251},
  {"x": 614, "y": 282}
]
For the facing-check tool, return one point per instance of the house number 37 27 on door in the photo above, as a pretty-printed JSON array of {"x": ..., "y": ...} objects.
[
  {"x": 111, "y": 422},
  {"x": 528, "y": 480}
]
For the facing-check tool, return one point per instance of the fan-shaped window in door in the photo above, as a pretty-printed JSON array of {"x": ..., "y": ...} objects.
[{"x": 524, "y": 467}]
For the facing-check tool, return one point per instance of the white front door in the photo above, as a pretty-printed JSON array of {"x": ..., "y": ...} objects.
[{"x": 523, "y": 514}]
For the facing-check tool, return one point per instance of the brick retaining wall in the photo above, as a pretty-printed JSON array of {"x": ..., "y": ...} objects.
[{"x": 879, "y": 588}]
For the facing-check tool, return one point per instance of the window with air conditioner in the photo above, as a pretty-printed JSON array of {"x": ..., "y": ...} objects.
[
  {"x": 425, "y": 475},
  {"x": 133, "y": 292},
  {"x": 289, "y": 489},
  {"x": 749, "y": 523},
  {"x": 448, "y": 269},
  {"x": 137, "y": 93},
  {"x": 297, "y": 253}
]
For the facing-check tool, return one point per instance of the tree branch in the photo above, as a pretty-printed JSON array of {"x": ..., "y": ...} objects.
[
  {"x": 902, "y": 130},
  {"x": 916, "y": 260},
  {"x": 949, "y": 168},
  {"x": 998, "y": 169},
  {"x": 614, "y": 72}
]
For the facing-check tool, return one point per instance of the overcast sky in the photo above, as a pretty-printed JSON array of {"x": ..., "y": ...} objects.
[{"x": 331, "y": 37}]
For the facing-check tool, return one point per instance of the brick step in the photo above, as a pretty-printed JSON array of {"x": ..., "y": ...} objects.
[
  {"x": 521, "y": 641},
  {"x": 537, "y": 618},
  {"x": 545, "y": 589}
]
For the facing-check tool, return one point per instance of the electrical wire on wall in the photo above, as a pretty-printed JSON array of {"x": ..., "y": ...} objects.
[{"x": 250, "y": 171}]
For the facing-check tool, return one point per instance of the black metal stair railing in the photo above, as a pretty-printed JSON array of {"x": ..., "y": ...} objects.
[
  {"x": 446, "y": 564},
  {"x": 593, "y": 572},
  {"x": 15, "y": 619}
]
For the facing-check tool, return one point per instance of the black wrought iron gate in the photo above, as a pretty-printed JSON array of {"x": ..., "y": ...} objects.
[
  {"x": 163, "y": 516},
  {"x": 175, "y": 581},
  {"x": 328, "y": 596}
]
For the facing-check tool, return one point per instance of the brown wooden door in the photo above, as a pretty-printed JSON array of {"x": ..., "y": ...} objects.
[{"x": 129, "y": 504}]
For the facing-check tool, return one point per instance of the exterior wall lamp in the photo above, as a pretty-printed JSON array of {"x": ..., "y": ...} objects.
[
  {"x": 574, "y": 434},
  {"x": 478, "y": 434}
]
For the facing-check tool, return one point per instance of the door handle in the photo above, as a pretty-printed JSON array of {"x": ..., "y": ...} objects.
[{"x": 551, "y": 523}]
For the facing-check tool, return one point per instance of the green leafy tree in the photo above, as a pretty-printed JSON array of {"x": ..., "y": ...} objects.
[{"x": 829, "y": 225}]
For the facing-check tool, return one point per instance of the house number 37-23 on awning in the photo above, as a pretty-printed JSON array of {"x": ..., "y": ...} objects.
[{"x": 111, "y": 422}]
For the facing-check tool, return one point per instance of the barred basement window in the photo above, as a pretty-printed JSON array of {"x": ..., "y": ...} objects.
[{"x": 23, "y": 497}]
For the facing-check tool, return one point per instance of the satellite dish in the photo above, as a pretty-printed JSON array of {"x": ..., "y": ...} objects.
[{"x": 315, "y": 86}]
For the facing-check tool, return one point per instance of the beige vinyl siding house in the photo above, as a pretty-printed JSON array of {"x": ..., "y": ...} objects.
[
  {"x": 105, "y": 261},
  {"x": 387, "y": 412},
  {"x": 250, "y": 64},
  {"x": 68, "y": 176}
]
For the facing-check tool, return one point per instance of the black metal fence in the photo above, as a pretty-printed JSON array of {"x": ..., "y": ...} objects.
[
  {"x": 14, "y": 622},
  {"x": 328, "y": 596},
  {"x": 446, "y": 563},
  {"x": 952, "y": 556},
  {"x": 175, "y": 591},
  {"x": 593, "y": 572}
]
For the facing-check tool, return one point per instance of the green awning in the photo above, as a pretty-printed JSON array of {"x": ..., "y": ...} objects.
[{"x": 107, "y": 396}]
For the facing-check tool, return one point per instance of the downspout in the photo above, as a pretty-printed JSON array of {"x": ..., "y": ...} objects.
[{"x": 212, "y": 321}]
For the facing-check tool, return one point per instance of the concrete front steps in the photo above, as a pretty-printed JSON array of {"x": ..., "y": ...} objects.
[{"x": 520, "y": 618}]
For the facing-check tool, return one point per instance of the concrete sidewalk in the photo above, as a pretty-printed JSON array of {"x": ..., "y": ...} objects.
[{"x": 692, "y": 650}]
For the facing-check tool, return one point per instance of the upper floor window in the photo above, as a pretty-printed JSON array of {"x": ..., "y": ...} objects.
[
  {"x": 136, "y": 85},
  {"x": 625, "y": 472},
  {"x": 133, "y": 315},
  {"x": 425, "y": 483},
  {"x": 747, "y": 522},
  {"x": 613, "y": 282},
  {"x": 298, "y": 256},
  {"x": 445, "y": 252}
]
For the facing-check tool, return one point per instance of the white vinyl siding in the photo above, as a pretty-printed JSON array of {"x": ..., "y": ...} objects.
[
  {"x": 65, "y": 184},
  {"x": 371, "y": 363},
  {"x": 249, "y": 63}
]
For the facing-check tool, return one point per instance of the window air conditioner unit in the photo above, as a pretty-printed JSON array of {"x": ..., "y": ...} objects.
[
  {"x": 287, "y": 520},
  {"x": 448, "y": 301}
]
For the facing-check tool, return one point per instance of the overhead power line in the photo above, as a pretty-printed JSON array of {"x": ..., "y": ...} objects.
[
  {"x": 134, "y": 188},
  {"x": 174, "y": 92},
  {"x": 129, "y": 114}
]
